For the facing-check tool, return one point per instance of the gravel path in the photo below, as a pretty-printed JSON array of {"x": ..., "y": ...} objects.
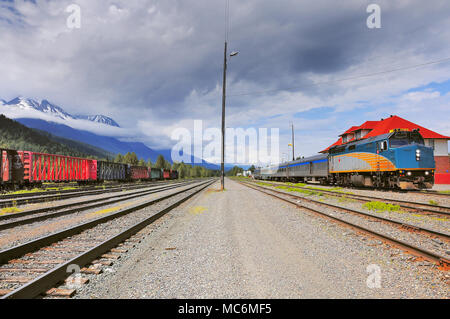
[
  {"x": 21, "y": 234},
  {"x": 244, "y": 244}
]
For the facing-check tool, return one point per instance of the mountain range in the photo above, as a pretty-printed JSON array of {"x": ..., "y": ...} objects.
[
  {"x": 51, "y": 109},
  {"x": 51, "y": 118}
]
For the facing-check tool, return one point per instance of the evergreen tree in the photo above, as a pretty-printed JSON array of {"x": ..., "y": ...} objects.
[
  {"x": 160, "y": 162},
  {"x": 142, "y": 162},
  {"x": 119, "y": 158}
]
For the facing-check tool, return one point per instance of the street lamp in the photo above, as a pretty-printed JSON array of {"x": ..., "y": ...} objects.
[{"x": 224, "y": 85}]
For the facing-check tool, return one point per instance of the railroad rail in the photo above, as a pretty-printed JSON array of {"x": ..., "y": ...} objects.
[
  {"x": 442, "y": 261},
  {"x": 79, "y": 245},
  {"x": 65, "y": 195},
  {"x": 424, "y": 208},
  {"x": 56, "y": 211},
  {"x": 431, "y": 192},
  {"x": 76, "y": 188}
]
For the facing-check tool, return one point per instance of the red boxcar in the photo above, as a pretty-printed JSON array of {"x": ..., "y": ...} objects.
[
  {"x": 39, "y": 167},
  {"x": 11, "y": 167},
  {"x": 166, "y": 174},
  {"x": 139, "y": 172}
]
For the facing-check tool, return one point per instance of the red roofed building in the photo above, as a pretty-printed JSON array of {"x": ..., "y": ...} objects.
[{"x": 432, "y": 139}]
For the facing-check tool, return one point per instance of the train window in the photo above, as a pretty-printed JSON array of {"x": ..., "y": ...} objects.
[
  {"x": 398, "y": 142},
  {"x": 338, "y": 149},
  {"x": 352, "y": 147},
  {"x": 383, "y": 145}
]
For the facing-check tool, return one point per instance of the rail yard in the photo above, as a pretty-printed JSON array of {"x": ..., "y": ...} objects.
[{"x": 258, "y": 239}]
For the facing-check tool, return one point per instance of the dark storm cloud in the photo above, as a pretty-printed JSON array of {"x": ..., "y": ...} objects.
[{"x": 162, "y": 60}]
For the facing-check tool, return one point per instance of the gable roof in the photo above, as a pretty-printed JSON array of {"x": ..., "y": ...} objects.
[
  {"x": 394, "y": 122},
  {"x": 385, "y": 126}
]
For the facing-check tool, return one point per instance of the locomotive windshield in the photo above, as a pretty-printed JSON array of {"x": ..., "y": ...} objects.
[{"x": 403, "y": 138}]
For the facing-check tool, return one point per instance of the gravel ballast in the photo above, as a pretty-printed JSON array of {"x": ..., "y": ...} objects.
[{"x": 245, "y": 244}]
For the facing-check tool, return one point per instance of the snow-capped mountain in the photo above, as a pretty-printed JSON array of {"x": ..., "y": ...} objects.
[
  {"x": 99, "y": 119},
  {"x": 27, "y": 104}
]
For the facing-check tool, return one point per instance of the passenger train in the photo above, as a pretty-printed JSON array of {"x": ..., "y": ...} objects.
[{"x": 398, "y": 159}]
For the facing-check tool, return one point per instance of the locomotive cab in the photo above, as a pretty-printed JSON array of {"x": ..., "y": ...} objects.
[{"x": 414, "y": 161}]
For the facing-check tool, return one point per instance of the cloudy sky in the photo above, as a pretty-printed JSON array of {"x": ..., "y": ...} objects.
[{"x": 155, "y": 66}]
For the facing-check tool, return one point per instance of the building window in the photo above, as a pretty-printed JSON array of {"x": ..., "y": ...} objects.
[{"x": 358, "y": 135}]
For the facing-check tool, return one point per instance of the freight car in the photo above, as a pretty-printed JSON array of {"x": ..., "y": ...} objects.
[
  {"x": 397, "y": 159},
  {"x": 156, "y": 174},
  {"x": 139, "y": 173},
  {"x": 166, "y": 173},
  {"x": 109, "y": 171},
  {"x": 11, "y": 168},
  {"x": 20, "y": 169},
  {"x": 173, "y": 174}
]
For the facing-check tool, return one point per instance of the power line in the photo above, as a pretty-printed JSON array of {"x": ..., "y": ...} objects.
[{"x": 345, "y": 79}]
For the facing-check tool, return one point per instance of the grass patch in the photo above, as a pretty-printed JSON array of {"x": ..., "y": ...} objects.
[
  {"x": 381, "y": 207},
  {"x": 307, "y": 192},
  {"x": 345, "y": 199},
  {"x": 10, "y": 210},
  {"x": 444, "y": 192},
  {"x": 264, "y": 184},
  {"x": 26, "y": 191},
  {"x": 433, "y": 202},
  {"x": 333, "y": 189}
]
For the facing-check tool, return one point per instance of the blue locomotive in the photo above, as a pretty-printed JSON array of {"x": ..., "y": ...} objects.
[{"x": 398, "y": 159}]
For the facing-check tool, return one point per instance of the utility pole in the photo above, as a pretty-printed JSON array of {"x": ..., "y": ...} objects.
[
  {"x": 293, "y": 151},
  {"x": 222, "y": 165}
]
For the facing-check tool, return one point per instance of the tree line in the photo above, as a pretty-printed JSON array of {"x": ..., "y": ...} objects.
[{"x": 184, "y": 170}]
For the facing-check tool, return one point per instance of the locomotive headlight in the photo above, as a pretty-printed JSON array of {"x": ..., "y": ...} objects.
[
  {"x": 417, "y": 155},
  {"x": 408, "y": 173},
  {"x": 427, "y": 173}
]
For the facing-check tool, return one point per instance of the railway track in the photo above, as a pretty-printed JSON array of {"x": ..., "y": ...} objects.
[
  {"x": 76, "y": 189},
  {"x": 17, "y": 219},
  {"x": 422, "y": 208},
  {"x": 33, "y": 268},
  {"x": 423, "y": 191},
  {"x": 432, "y": 192},
  {"x": 9, "y": 202},
  {"x": 425, "y": 234}
]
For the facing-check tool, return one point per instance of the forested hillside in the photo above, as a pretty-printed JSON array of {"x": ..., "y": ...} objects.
[{"x": 14, "y": 135}]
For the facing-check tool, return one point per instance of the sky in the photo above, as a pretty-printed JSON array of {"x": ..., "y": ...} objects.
[{"x": 155, "y": 66}]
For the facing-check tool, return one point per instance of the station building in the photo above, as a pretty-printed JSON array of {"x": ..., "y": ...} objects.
[{"x": 437, "y": 141}]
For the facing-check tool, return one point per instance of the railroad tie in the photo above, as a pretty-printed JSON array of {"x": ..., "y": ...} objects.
[
  {"x": 57, "y": 292},
  {"x": 40, "y": 270},
  {"x": 94, "y": 271},
  {"x": 110, "y": 256},
  {"x": 74, "y": 280},
  {"x": 102, "y": 262},
  {"x": 4, "y": 292}
]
